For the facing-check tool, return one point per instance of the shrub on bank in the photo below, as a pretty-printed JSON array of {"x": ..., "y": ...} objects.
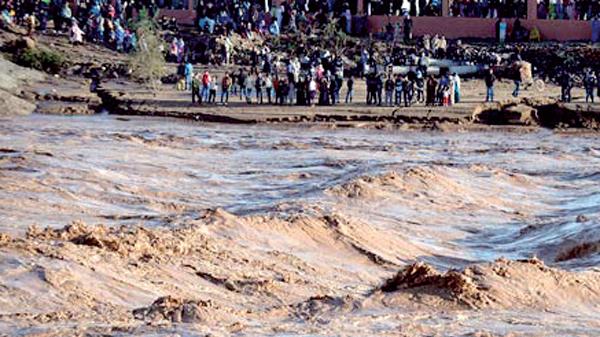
[
  {"x": 40, "y": 59},
  {"x": 147, "y": 63}
]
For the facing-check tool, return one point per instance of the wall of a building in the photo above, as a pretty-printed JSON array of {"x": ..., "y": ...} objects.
[
  {"x": 186, "y": 17},
  {"x": 456, "y": 28}
]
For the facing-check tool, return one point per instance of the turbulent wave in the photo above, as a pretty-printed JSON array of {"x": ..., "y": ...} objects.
[
  {"x": 113, "y": 227},
  {"x": 500, "y": 285},
  {"x": 475, "y": 184}
]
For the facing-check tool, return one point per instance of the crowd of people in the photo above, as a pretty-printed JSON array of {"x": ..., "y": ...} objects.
[
  {"x": 311, "y": 75},
  {"x": 402, "y": 7},
  {"x": 323, "y": 78},
  {"x": 489, "y": 8},
  {"x": 458, "y": 8},
  {"x": 253, "y": 21},
  {"x": 96, "y": 21},
  {"x": 256, "y": 17},
  {"x": 321, "y": 88},
  {"x": 590, "y": 83},
  {"x": 569, "y": 9},
  {"x": 547, "y": 9}
]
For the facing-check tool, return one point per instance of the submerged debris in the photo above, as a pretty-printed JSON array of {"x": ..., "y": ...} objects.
[
  {"x": 136, "y": 242},
  {"x": 176, "y": 311},
  {"x": 579, "y": 251},
  {"x": 503, "y": 283}
]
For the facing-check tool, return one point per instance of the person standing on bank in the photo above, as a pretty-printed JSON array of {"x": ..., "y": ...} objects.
[
  {"x": 379, "y": 88},
  {"x": 490, "y": 80},
  {"x": 431, "y": 91},
  {"x": 389, "y": 91},
  {"x": 456, "y": 88},
  {"x": 189, "y": 73},
  {"x": 408, "y": 26},
  {"x": 241, "y": 78},
  {"x": 196, "y": 89},
  {"x": 258, "y": 85},
  {"x": 590, "y": 82},
  {"x": 566, "y": 84},
  {"x": 212, "y": 90},
  {"x": 350, "y": 87},
  {"x": 517, "y": 75},
  {"x": 399, "y": 84},
  {"x": 268, "y": 87},
  {"x": 225, "y": 87}
]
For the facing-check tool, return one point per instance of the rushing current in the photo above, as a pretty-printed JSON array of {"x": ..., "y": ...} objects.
[{"x": 449, "y": 199}]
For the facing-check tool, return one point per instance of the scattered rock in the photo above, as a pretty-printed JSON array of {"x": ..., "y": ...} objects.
[
  {"x": 320, "y": 304},
  {"x": 176, "y": 311},
  {"x": 582, "y": 218},
  {"x": 521, "y": 114},
  {"x": 578, "y": 251},
  {"x": 501, "y": 284},
  {"x": 23, "y": 42},
  {"x": 4, "y": 239},
  {"x": 412, "y": 276},
  {"x": 13, "y": 105},
  {"x": 135, "y": 242}
]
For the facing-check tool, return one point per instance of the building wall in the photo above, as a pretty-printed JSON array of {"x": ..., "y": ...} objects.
[
  {"x": 456, "y": 28},
  {"x": 186, "y": 17}
]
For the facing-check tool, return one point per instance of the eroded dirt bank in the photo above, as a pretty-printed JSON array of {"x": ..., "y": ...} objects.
[{"x": 531, "y": 110}]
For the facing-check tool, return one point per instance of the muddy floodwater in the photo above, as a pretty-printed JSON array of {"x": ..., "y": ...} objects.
[{"x": 135, "y": 226}]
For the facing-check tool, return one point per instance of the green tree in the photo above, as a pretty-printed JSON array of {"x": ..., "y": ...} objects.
[
  {"x": 147, "y": 63},
  {"x": 334, "y": 38}
]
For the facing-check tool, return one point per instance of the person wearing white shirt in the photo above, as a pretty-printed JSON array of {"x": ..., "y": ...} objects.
[
  {"x": 250, "y": 81},
  {"x": 312, "y": 91},
  {"x": 268, "y": 87},
  {"x": 76, "y": 34}
]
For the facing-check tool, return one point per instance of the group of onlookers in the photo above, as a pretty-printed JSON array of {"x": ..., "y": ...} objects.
[
  {"x": 320, "y": 87},
  {"x": 569, "y": 9},
  {"x": 98, "y": 21}
]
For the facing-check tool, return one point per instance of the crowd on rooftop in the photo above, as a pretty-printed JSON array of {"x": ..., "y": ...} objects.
[
  {"x": 569, "y": 9},
  {"x": 547, "y": 9}
]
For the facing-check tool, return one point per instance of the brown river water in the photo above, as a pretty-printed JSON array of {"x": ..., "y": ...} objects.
[{"x": 257, "y": 230}]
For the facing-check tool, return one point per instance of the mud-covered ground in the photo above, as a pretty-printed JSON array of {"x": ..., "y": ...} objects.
[{"x": 117, "y": 226}]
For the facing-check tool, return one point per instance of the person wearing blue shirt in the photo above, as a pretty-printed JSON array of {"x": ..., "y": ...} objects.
[
  {"x": 189, "y": 73},
  {"x": 119, "y": 36},
  {"x": 274, "y": 28}
]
